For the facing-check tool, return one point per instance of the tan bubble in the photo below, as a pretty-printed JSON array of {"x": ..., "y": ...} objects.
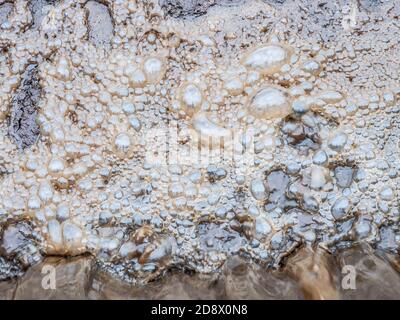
[
  {"x": 154, "y": 69},
  {"x": 270, "y": 103},
  {"x": 191, "y": 98},
  {"x": 267, "y": 59}
]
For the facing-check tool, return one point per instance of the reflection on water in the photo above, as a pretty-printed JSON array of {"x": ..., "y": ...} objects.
[
  {"x": 376, "y": 277},
  {"x": 316, "y": 273},
  {"x": 307, "y": 274},
  {"x": 238, "y": 280}
]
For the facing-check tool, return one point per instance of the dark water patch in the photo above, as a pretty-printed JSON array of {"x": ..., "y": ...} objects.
[
  {"x": 388, "y": 239},
  {"x": 5, "y": 10},
  {"x": 299, "y": 135},
  {"x": 277, "y": 182},
  {"x": 194, "y": 8},
  {"x": 369, "y": 5},
  {"x": 185, "y": 8},
  {"x": 343, "y": 176},
  {"x": 321, "y": 19},
  {"x": 230, "y": 3},
  {"x": 274, "y": 2},
  {"x": 100, "y": 24},
  {"x": 344, "y": 172},
  {"x": 213, "y": 236},
  {"x": 23, "y": 127},
  {"x": 37, "y": 10},
  {"x": 306, "y": 221},
  {"x": 18, "y": 249}
]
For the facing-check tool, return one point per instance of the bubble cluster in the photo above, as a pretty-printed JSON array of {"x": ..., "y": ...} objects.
[{"x": 163, "y": 142}]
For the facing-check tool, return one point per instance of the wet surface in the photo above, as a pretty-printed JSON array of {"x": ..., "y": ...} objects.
[
  {"x": 376, "y": 278},
  {"x": 38, "y": 10},
  {"x": 281, "y": 121},
  {"x": 182, "y": 8},
  {"x": 194, "y": 8},
  {"x": 100, "y": 24},
  {"x": 18, "y": 248},
  {"x": 310, "y": 274},
  {"x": 24, "y": 128},
  {"x": 344, "y": 176},
  {"x": 316, "y": 272},
  {"x": 71, "y": 279},
  {"x": 278, "y": 183},
  {"x": 5, "y": 10}
]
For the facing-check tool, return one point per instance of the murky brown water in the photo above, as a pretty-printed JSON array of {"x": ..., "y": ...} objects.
[{"x": 309, "y": 274}]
